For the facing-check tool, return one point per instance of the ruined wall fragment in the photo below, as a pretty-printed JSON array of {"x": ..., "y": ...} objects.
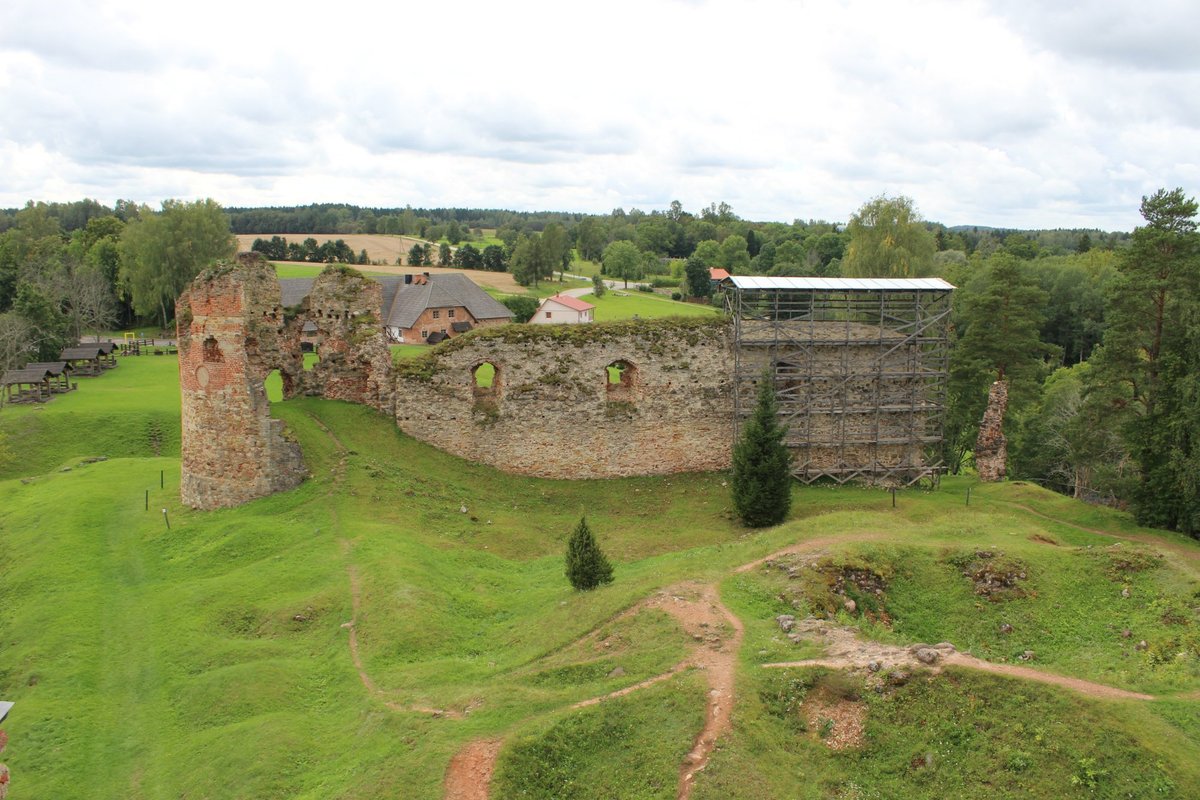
[
  {"x": 229, "y": 325},
  {"x": 554, "y": 409},
  {"x": 355, "y": 363},
  {"x": 991, "y": 448}
]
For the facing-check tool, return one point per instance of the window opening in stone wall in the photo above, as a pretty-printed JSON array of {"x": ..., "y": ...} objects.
[
  {"x": 450, "y": 313},
  {"x": 437, "y": 314},
  {"x": 619, "y": 381},
  {"x": 484, "y": 377},
  {"x": 212, "y": 351}
]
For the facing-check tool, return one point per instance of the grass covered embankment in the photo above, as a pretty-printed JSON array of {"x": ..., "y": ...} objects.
[{"x": 213, "y": 658}]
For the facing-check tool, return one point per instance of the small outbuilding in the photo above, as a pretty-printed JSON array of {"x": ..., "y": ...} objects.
[
  {"x": 85, "y": 359},
  {"x": 26, "y": 385},
  {"x": 563, "y": 309},
  {"x": 58, "y": 372}
]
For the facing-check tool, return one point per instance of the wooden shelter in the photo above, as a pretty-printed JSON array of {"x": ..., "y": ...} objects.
[
  {"x": 86, "y": 359},
  {"x": 108, "y": 354},
  {"x": 26, "y": 385},
  {"x": 59, "y": 373}
]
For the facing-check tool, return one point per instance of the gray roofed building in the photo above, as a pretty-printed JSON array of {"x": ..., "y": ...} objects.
[{"x": 413, "y": 304}]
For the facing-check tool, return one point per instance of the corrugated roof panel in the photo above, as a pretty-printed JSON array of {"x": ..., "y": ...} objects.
[{"x": 842, "y": 284}]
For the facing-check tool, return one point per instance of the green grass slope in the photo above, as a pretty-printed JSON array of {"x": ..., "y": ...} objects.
[{"x": 213, "y": 658}]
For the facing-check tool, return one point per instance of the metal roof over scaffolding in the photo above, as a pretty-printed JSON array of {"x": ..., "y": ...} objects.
[{"x": 859, "y": 366}]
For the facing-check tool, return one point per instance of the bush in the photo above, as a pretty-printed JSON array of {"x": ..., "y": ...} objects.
[
  {"x": 587, "y": 567},
  {"x": 643, "y": 287},
  {"x": 676, "y": 296}
]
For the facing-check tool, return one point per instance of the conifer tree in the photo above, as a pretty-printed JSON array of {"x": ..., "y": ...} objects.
[
  {"x": 587, "y": 567},
  {"x": 762, "y": 480}
]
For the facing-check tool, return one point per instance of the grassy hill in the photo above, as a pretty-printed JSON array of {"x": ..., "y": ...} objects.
[{"x": 349, "y": 638}]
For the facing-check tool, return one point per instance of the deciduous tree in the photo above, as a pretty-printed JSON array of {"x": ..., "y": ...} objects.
[
  {"x": 887, "y": 240},
  {"x": 161, "y": 253}
]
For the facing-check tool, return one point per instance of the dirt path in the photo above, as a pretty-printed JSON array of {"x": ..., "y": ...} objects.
[
  {"x": 844, "y": 650},
  {"x": 338, "y": 475},
  {"x": 717, "y": 634},
  {"x": 470, "y": 772}
]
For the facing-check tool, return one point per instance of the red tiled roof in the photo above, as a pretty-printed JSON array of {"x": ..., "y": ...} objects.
[
  {"x": 718, "y": 274},
  {"x": 573, "y": 303}
]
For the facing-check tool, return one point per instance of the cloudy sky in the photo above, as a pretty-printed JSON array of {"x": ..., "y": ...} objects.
[{"x": 1024, "y": 113}]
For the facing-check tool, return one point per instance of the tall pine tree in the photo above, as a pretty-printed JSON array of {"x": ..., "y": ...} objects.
[
  {"x": 1149, "y": 359},
  {"x": 762, "y": 480}
]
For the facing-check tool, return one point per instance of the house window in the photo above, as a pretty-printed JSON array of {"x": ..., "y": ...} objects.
[
  {"x": 443, "y": 331},
  {"x": 437, "y": 314},
  {"x": 450, "y": 313},
  {"x": 547, "y": 315},
  {"x": 424, "y": 334}
]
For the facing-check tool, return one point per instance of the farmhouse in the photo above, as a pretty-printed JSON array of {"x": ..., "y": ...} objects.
[
  {"x": 420, "y": 308},
  {"x": 562, "y": 309}
]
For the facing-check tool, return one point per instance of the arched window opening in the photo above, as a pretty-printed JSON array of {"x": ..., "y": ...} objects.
[{"x": 485, "y": 379}]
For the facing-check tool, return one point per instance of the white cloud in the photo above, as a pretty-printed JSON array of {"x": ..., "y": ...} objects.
[{"x": 997, "y": 114}]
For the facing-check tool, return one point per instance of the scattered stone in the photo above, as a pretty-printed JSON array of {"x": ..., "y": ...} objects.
[
  {"x": 1125, "y": 634},
  {"x": 1125, "y": 592},
  {"x": 927, "y": 655},
  {"x": 1141, "y": 645},
  {"x": 850, "y": 606},
  {"x": 874, "y": 666},
  {"x": 462, "y": 509},
  {"x": 786, "y": 622},
  {"x": 796, "y": 637},
  {"x": 898, "y": 678},
  {"x": 1026, "y": 656},
  {"x": 617, "y": 672},
  {"x": 1006, "y": 628}
]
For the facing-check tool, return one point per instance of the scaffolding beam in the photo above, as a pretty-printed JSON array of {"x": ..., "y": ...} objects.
[{"x": 859, "y": 369}]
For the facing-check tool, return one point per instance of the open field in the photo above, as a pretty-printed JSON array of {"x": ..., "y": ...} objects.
[
  {"x": 379, "y": 246},
  {"x": 627, "y": 304},
  {"x": 362, "y": 636},
  {"x": 499, "y": 281}
]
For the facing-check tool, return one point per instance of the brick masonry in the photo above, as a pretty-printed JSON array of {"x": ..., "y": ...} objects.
[{"x": 232, "y": 333}]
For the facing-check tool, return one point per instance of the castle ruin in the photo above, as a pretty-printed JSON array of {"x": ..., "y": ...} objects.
[{"x": 859, "y": 370}]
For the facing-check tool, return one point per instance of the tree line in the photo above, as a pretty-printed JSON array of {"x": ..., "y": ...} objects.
[{"x": 68, "y": 269}]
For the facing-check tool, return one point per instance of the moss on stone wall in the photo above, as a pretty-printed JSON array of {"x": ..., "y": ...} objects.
[{"x": 692, "y": 330}]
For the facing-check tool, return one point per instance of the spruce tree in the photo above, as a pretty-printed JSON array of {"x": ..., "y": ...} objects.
[
  {"x": 762, "y": 480},
  {"x": 587, "y": 567}
]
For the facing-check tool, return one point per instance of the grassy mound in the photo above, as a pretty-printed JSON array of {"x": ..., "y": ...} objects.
[{"x": 213, "y": 658}]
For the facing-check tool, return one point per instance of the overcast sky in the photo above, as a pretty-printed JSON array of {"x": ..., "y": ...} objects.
[{"x": 1028, "y": 113}]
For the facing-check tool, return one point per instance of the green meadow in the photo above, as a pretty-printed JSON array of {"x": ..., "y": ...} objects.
[
  {"x": 622, "y": 304},
  {"x": 168, "y": 653}
]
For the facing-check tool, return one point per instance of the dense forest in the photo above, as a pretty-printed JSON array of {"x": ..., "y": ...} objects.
[{"x": 1096, "y": 334}]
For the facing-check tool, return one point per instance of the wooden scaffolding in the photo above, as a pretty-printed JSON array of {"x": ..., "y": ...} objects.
[{"x": 859, "y": 367}]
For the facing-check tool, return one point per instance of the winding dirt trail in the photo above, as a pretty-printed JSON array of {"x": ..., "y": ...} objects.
[
  {"x": 844, "y": 650},
  {"x": 337, "y": 478},
  {"x": 718, "y": 635}
]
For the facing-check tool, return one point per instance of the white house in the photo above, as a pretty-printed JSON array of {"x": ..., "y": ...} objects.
[{"x": 562, "y": 308}]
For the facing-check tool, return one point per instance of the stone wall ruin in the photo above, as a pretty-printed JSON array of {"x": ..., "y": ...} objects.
[
  {"x": 233, "y": 331},
  {"x": 559, "y": 401},
  {"x": 578, "y": 401}
]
